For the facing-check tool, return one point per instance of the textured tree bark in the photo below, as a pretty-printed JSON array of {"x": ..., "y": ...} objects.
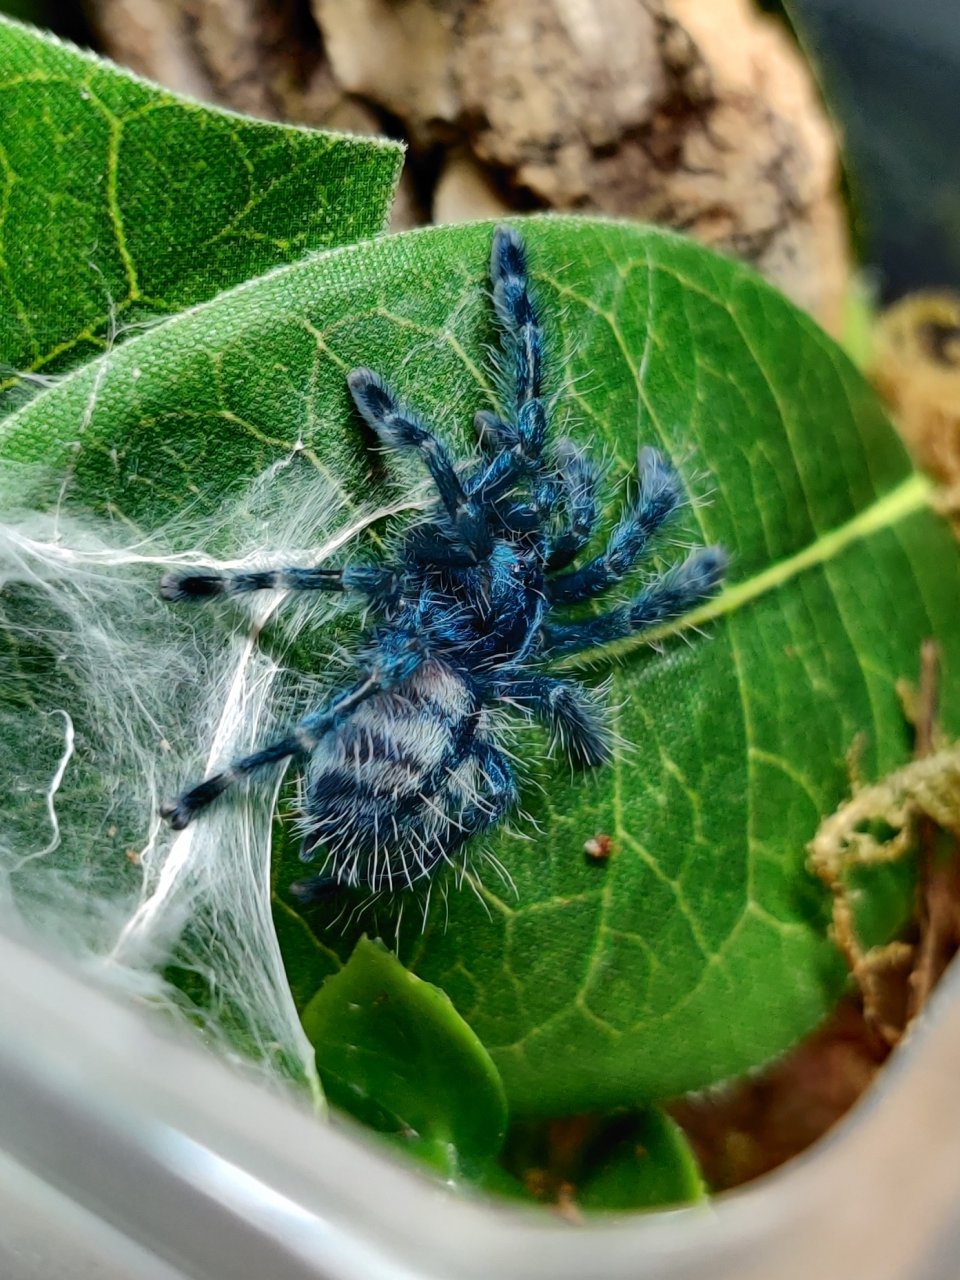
[{"x": 700, "y": 116}]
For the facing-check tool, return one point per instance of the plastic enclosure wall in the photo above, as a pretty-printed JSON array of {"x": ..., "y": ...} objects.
[{"x": 127, "y": 1151}]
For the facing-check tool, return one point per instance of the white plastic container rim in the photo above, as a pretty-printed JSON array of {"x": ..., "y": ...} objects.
[{"x": 127, "y": 1150}]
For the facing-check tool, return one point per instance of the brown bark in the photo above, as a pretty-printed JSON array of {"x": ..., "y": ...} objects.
[{"x": 696, "y": 116}]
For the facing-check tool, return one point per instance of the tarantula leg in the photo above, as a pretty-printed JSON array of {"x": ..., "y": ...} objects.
[
  {"x": 669, "y": 595},
  {"x": 660, "y": 497},
  {"x": 522, "y": 333},
  {"x": 577, "y": 723},
  {"x": 181, "y": 811},
  {"x": 301, "y": 741},
  {"x": 672, "y": 593},
  {"x": 399, "y": 428},
  {"x": 516, "y": 446},
  {"x": 489, "y": 809},
  {"x": 493, "y": 433},
  {"x": 193, "y": 586},
  {"x": 578, "y": 482}
]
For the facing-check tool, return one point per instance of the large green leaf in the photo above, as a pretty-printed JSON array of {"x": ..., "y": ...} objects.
[
  {"x": 699, "y": 948},
  {"x": 120, "y": 202}
]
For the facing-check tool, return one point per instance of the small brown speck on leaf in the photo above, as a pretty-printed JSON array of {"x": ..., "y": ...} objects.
[{"x": 599, "y": 847}]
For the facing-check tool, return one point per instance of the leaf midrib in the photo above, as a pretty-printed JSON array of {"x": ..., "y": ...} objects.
[{"x": 910, "y": 496}]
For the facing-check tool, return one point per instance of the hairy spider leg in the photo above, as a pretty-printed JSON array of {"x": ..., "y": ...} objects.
[
  {"x": 388, "y": 668},
  {"x": 516, "y": 448},
  {"x": 517, "y": 313},
  {"x": 578, "y": 486},
  {"x": 368, "y": 580},
  {"x": 659, "y": 498},
  {"x": 666, "y": 596},
  {"x": 522, "y": 340},
  {"x": 566, "y": 476},
  {"x": 301, "y": 741},
  {"x": 577, "y": 723},
  {"x": 493, "y": 433},
  {"x": 399, "y": 428},
  {"x": 500, "y": 797}
]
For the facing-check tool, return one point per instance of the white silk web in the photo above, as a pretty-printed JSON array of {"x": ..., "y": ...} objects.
[{"x": 111, "y": 700}]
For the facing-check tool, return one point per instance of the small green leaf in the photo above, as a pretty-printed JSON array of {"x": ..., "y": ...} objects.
[
  {"x": 393, "y": 1051},
  {"x": 120, "y": 202},
  {"x": 648, "y": 1165}
]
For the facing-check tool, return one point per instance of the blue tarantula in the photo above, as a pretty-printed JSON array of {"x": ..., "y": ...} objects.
[{"x": 403, "y": 767}]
